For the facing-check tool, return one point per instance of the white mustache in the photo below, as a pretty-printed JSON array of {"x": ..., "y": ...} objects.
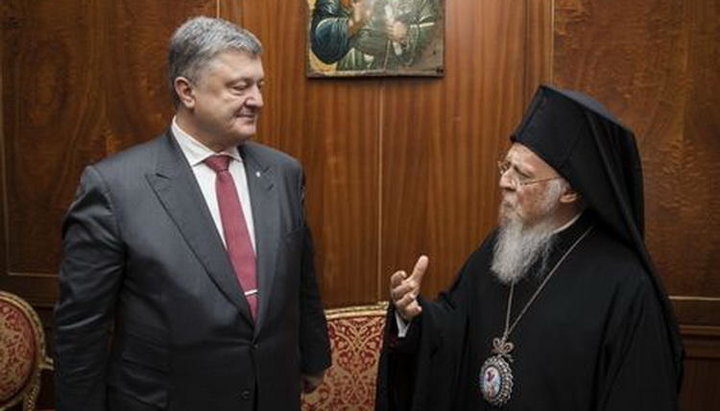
[{"x": 508, "y": 202}]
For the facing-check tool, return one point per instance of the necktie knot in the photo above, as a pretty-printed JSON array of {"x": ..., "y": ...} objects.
[{"x": 218, "y": 163}]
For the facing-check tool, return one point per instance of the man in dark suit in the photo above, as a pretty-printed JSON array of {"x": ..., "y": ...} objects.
[{"x": 187, "y": 281}]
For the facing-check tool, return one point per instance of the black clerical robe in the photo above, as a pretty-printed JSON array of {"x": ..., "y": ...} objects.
[{"x": 594, "y": 339}]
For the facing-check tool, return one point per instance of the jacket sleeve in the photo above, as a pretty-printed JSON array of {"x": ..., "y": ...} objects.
[
  {"x": 314, "y": 341},
  {"x": 90, "y": 277}
]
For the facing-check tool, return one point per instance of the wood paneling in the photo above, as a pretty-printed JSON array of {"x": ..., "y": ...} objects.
[
  {"x": 539, "y": 36},
  {"x": 441, "y": 139},
  {"x": 656, "y": 64},
  {"x": 52, "y": 126},
  {"x": 699, "y": 390},
  {"x": 136, "y": 89},
  {"x": 52, "y": 122}
]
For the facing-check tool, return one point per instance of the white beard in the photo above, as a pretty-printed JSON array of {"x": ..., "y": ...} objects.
[{"x": 519, "y": 247}]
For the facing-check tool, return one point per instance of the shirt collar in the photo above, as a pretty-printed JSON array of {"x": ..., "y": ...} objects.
[
  {"x": 195, "y": 151},
  {"x": 568, "y": 224}
]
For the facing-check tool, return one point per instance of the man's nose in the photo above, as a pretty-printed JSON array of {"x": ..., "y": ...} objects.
[
  {"x": 506, "y": 182},
  {"x": 255, "y": 99}
]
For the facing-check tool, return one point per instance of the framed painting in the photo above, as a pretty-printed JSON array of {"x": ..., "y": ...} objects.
[{"x": 350, "y": 38}]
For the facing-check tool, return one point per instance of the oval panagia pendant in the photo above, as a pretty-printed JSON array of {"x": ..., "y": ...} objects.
[{"x": 496, "y": 380}]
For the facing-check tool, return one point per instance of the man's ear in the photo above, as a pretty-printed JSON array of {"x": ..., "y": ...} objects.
[
  {"x": 185, "y": 92},
  {"x": 569, "y": 196}
]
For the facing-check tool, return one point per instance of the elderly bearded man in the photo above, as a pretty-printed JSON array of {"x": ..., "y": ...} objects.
[{"x": 559, "y": 308}]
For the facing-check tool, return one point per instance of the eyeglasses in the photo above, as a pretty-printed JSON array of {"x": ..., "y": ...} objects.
[{"x": 518, "y": 180}]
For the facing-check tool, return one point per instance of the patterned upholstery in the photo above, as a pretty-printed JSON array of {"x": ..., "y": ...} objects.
[
  {"x": 355, "y": 339},
  {"x": 22, "y": 352}
]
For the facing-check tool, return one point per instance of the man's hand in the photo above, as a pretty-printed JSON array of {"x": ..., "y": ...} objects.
[
  {"x": 397, "y": 31},
  {"x": 361, "y": 13},
  {"x": 310, "y": 382},
  {"x": 404, "y": 290}
]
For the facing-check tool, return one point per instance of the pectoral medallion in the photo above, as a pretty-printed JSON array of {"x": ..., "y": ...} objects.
[{"x": 496, "y": 379}]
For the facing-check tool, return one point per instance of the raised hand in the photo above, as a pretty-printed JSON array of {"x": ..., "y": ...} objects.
[{"x": 404, "y": 290}]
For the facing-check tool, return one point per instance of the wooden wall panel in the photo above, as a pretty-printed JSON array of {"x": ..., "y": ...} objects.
[
  {"x": 702, "y": 368},
  {"x": 441, "y": 139},
  {"x": 703, "y": 375},
  {"x": 697, "y": 202},
  {"x": 539, "y": 36},
  {"x": 136, "y": 91},
  {"x": 52, "y": 124}
]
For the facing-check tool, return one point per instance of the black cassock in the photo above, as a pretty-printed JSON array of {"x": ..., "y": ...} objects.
[{"x": 594, "y": 339}]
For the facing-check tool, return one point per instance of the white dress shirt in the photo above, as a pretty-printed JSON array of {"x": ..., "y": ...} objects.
[{"x": 196, "y": 153}]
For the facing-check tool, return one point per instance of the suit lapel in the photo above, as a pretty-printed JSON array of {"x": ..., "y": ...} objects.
[
  {"x": 263, "y": 197},
  {"x": 176, "y": 187}
]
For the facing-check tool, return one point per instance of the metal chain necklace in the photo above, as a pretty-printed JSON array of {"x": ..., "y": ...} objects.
[{"x": 496, "y": 378}]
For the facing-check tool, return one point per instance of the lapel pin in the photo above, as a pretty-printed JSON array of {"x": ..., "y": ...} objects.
[{"x": 257, "y": 174}]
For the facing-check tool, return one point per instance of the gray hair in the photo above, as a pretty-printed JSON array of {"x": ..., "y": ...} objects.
[{"x": 198, "y": 41}]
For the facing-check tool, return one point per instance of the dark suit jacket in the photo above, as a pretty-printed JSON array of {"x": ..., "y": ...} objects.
[{"x": 151, "y": 315}]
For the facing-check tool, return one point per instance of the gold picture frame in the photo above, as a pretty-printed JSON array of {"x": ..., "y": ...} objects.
[{"x": 359, "y": 38}]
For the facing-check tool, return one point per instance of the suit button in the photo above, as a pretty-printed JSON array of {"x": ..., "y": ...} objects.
[
  {"x": 255, "y": 346},
  {"x": 245, "y": 394}
]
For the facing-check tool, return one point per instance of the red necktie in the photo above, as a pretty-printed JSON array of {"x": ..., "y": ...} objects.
[{"x": 237, "y": 237}]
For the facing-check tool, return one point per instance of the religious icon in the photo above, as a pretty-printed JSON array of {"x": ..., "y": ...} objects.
[
  {"x": 491, "y": 383},
  {"x": 495, "y": 378},
  {"x": 375, "y": 38}
]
